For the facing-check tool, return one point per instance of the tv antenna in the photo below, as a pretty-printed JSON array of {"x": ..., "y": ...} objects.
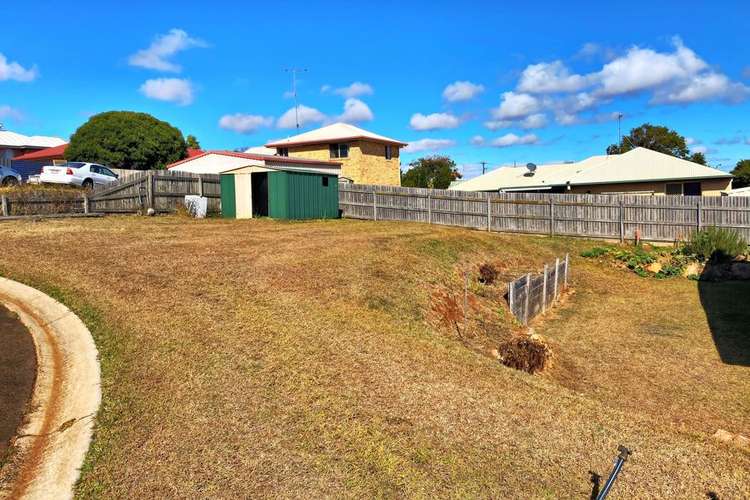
[
  {"x": 294, "y": 72},
  {"x": 484, "y": 166},
  {"x": 619, "y": 132}
]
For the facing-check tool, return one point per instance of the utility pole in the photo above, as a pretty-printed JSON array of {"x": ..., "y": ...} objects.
[
  {"x": 294, "y": 72},
  {"x": 484, "y": 165}
]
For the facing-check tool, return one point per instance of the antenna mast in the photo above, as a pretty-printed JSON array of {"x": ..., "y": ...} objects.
[
  {"x": 294, "y": 72},
  {"x": 619, "y": 133},
  {"x": 484, "y": 165}
]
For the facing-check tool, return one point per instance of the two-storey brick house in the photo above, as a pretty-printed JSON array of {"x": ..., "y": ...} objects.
[{"x": 365, "y": 157}]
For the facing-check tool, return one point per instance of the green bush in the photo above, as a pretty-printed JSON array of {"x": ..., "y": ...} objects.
[
  {"x": 595, "y": 252},
  {"x": 715, "y": 244}
]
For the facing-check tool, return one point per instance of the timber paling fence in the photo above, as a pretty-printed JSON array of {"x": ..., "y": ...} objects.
[
  {"x": 655, "y": 218},
  {"x": 161, "y": 190},
  {"x": 531, "y": 295},
  {"x": 164, "y": 191}
]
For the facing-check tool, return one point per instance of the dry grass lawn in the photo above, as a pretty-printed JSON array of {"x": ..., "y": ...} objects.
[{"x": 271, "y": 359}]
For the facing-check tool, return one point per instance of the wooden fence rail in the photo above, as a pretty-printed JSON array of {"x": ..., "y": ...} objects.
[
  {"x": 162, "y": 191},
  {"x": 656, "y": 218},
  {"x": 531, "y": 295}
]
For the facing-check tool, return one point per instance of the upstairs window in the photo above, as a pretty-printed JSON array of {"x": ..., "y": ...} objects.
[
  {"x": 339, "y": 150},
  {"x": 388, "y": 152},
  {"x": 282, "y": 151}
]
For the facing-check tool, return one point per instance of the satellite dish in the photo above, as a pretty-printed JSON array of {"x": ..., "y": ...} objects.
[{"x": 531, "y": 167}]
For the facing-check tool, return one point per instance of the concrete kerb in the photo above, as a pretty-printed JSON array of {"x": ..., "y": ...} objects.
[{"x": 53, "y": 442}]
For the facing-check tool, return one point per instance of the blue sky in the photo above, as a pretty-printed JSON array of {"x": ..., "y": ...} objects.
[{"x": 478, "y": 81}]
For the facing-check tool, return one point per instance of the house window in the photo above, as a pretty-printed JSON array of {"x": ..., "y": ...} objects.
[
  {"x": 692, "y": 189},
  {"x": 674, "y": 188},
  {"x": 388, "y": 152},
  {"x": 339, "y": 150},
  {"x": 325, "y": 181},
  {"x": 282, "y": 151}
]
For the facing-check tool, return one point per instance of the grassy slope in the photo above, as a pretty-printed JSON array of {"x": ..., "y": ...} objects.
[{"x": 255, "y": 358}]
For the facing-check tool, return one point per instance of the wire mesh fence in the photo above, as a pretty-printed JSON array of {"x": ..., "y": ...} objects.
[{"x": 532, "y": 294}]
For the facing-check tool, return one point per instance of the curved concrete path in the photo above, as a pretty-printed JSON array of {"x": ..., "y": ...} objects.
[{"x": 58, "y": 429}]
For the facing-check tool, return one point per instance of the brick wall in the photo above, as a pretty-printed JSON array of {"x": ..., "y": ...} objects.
[
  {"x": 366, "y": 163},
  {"x": 710, "y": 187}
]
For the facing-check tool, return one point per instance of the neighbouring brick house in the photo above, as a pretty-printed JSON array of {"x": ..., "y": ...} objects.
[{"x": 365, "y": 157}]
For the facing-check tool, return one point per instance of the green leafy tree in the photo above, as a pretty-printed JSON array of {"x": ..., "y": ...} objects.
[
  {"x": 125, "y": 139},
  {"x": 741, "y": 174},
  {"x": 192, "y": 142},
  {"x": 656, "y": 138},
  {"x": 435, "y": 172}
]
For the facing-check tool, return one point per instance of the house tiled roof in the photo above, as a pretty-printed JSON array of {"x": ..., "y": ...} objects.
[
  {"x": 637, "y": 165},
  {"x": 45, "y": 154},
  {"x": 335, "y": 132}
]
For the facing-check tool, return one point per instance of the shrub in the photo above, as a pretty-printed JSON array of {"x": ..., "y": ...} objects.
[
  {"x": 487, "y": 274},
  {"x": 716, "y": 244},
  {"x": 595, "y": 252},
  {"x": 527, "y": 353},
  {"x": 123, "y": 139}
]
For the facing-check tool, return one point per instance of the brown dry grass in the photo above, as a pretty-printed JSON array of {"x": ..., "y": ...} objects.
[{"x": 262, "y": 358}]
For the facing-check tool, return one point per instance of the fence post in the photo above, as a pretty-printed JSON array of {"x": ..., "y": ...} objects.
[
  {"x": 557, "y": 278},
  {"x": 526, "y": 305},
  {"x": 551, "y": 217},
  {"x": 200, "y": 186},
  {"x": 489, "y": 213},
  {"x": 699, "y": 215},
  {"x": 622, "y": 220},
  {"x": 374, "y": 205},
  {"x": 510, "y": 296},
  {"x": 86, "y": 204},
  {"x": 150, "y": 189},
  {"x": 544, "y": 291},
  {"x": 429, "y": 209},
  {"x": 565, "y": 283},
  {"x": 4, "y": 204}
]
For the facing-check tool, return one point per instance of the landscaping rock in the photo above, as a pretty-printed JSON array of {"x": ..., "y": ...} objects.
[
  {"x": 723, "y": 436},
  {"x": 737, "y": 440}
]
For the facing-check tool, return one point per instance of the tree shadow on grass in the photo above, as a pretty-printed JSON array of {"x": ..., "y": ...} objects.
[{"x": 727, "y": 307}]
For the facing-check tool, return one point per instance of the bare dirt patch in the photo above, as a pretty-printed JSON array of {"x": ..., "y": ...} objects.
[{"x": 17, "y": 375}]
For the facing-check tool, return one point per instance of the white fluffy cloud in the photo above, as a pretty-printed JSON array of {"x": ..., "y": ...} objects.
[
  {"x": 677, "y": 76},
  {"x": 356, "y": 89},
  {"x": 428, "y": 145},
  {"x": 11, "y": 70},
  {"x": 462, "y": 91},
  {"x": 537, "y": 120},
  {"x": 514, "y": 140},
  {"x": 307, "y": 116},
  {"x": 515, "y": 106},
  {"x": 355, "y": 111},
  {"x": 175, "y": 90},
  {"x": 157, "y": 55},
  {"x": 434, "y": 121},
  {"x": 244, "y": 124},
  {"x": 553, "y": 77},
  {"x": 477, "y": 140},
  {"x": 9, "y": 112}
]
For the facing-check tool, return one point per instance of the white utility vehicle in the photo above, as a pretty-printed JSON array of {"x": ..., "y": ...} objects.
[{"x": 76, "y": 173}]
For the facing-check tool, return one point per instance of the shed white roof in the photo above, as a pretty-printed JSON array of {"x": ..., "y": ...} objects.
[
  {"x": 260, "y": 150},
  {"x": 637, "y": 165},
  {"x": 216, "y": 162},
  {"x": 10, "y": 139},
  {"x": 332, "y": 133}
]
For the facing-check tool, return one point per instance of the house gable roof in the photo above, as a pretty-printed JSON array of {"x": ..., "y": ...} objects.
[
  {"x": 335, "y": 132},
  {"x": 45, "y": 154},
  {"x": 14, "y": 140},
  {"x": 264, "y": 158},
  {"x": 637, "y": 165}
]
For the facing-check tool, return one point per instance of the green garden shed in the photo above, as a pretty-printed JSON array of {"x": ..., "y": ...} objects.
[{"x": 256, "y": 191}]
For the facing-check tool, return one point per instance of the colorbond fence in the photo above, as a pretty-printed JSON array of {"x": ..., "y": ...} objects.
[
  {"x": 161, "y": 190},
  {"x": 656, "y": 218},
  {"x": 531, "y": 295}
]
